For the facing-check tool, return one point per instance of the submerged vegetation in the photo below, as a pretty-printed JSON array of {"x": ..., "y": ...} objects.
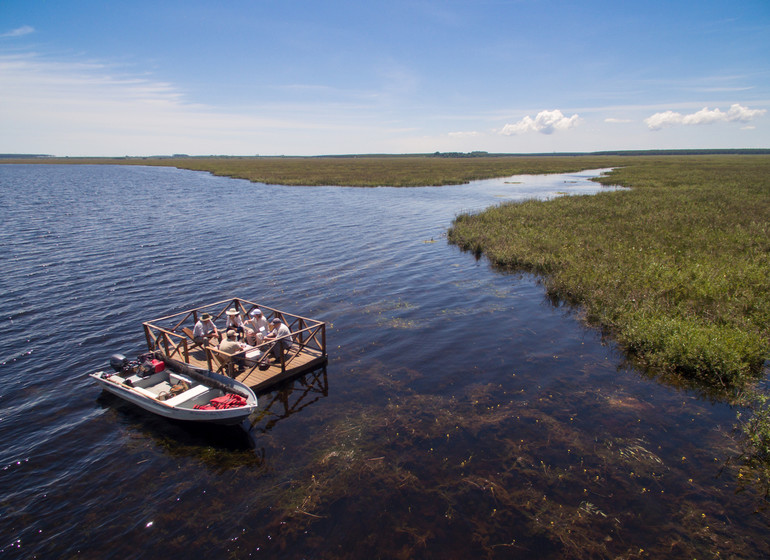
[{"x": 490, "y": 475}]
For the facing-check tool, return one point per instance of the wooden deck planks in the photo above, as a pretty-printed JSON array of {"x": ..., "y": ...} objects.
[
  {"x": 304, "y": 361},
  {"x": 256, "y": 378}
]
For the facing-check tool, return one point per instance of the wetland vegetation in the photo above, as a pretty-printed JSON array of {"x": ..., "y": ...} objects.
[
  {"x": 676, "y": 267},
  {"x": 363, "y": 171}
]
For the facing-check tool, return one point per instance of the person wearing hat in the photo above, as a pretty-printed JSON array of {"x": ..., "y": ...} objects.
[
  {"x": 256, "y": 327},
  {"x": 281, "y": 334},
  {"x": 204, "y": 330},
  {"x": 230, "y": 346},
  {"x": 234, "y": 321}
]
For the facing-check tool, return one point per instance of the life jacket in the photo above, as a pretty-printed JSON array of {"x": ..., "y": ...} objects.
[{"x": 230, "y": 400}]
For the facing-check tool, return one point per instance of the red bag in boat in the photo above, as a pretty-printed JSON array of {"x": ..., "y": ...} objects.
[{"x": 229, "y": 400}]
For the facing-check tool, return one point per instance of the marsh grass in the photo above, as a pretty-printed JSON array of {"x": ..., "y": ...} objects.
[
  {"x": 676, "y": 268},
  {"x": 362, "y": 171}
]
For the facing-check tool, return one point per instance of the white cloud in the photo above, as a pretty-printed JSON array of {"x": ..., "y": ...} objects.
[
  {"x": 91, "y": 108},
  {"x": 546, "y": 122},
  {"x": 736, "y": 112},
  {"x": 704, "y": 116},
  {"x": 19, "y": 31},
  {"x": 743, "y": 114},
  {"x": 613, "y": 120},
  {"x": 664, "y": 119}
]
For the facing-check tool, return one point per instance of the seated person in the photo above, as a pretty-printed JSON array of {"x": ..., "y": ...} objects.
[
  {"x": 256, "y": 328},
  {"x": 279, "y": 330},
  {"x": 231, "y": 346},
  {"x": 205, "y": 330},
  {"x": 234, "y": 321}
]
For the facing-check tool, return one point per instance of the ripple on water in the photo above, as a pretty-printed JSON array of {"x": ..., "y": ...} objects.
[{"x": 461, "y": 413}]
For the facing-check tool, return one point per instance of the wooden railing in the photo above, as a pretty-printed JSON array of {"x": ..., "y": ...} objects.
[{"x": 307, "y": 335}]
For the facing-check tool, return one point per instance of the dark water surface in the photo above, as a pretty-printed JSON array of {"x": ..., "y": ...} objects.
[{"x": 461, "y": 415}]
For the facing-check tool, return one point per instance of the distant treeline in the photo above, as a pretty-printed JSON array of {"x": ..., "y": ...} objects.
[
  {"x": 480, "y": 153},
  {"x": 24, "y": 156},
  {"x": 742, "y": 151},
  {"x": 474, "y": 154}
]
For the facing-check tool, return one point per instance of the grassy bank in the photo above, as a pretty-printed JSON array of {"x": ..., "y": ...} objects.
[
  {"x": 677, "y": 268},
  {"x": 363, "y": 171}
]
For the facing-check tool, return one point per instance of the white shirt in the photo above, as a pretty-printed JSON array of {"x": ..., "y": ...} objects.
[
  {"x": 234, "y": 321},
  {"x": 258, "y": 324},
  {"x": 203, "y": 328}
]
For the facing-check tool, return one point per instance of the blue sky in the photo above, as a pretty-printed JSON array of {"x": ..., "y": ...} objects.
[{"x": 295, "y": 77}]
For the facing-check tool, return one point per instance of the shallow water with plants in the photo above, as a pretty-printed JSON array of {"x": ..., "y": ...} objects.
[{"x": 462, "y": 413}]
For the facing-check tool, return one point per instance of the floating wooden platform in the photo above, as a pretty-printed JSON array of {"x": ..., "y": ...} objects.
[{"x": 171, "y": 335}]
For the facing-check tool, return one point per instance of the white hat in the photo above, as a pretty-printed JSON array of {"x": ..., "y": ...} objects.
[
  {"x": 256, "y": 312},
  {"x": 232, "y": 311}
]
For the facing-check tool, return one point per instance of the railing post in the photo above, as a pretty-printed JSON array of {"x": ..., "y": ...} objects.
[{"x": 147, "y": 336}]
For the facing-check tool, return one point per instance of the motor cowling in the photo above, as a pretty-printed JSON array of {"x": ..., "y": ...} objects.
[{"x": 118, "y": 362}]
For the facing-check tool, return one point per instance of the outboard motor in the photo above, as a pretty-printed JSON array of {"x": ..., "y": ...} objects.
[{"x": 119, "y": 362}]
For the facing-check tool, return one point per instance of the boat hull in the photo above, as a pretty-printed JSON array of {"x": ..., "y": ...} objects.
[{"x": 229, "y": 416}]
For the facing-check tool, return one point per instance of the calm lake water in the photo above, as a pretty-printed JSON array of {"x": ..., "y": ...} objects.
[{"x": 461, "y": 414}]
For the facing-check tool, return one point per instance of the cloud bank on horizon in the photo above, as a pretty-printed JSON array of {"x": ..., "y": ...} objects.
[
  {"x": 736, "y": 113},
  {"x": 300, "y": 79}
]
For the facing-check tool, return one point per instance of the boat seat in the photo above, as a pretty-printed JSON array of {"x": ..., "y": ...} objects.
[
  {"x": 145, "y": 392},
  {"x": 187, "y": 395},
  {"x": 161, "y": 387},
  {"x": 177, "y": 377}
]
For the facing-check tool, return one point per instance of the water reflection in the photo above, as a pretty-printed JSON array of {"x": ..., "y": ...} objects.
[
  {"x": 290, "y": 398},
  {"x": 222, "y": 447},
  {"x": 218, "y": 447}
]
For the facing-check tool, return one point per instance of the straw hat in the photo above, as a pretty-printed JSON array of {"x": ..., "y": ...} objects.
[
  {"x": 205, "y": 317},
  {"x": 232, "y": 311}
]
